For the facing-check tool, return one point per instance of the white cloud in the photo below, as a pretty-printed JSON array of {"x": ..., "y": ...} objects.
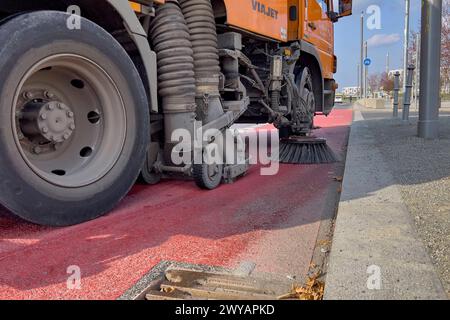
[{"x": 379, "y": 40}]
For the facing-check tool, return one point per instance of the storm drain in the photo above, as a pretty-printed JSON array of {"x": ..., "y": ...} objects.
[{"x": 189, "y": 282}]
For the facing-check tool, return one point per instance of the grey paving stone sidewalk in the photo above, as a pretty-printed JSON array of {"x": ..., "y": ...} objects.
[{"x": 394, "y": 215}]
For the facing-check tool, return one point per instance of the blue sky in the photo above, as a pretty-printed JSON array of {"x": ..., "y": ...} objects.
[{"x": 387, "y": 39}]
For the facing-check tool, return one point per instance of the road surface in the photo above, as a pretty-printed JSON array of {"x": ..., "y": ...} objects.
[{"x": 272, "y": 221}]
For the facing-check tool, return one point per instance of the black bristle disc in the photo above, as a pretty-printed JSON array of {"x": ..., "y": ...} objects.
[{"x": 306, "y": 151}]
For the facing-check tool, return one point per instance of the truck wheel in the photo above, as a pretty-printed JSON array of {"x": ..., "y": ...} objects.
[
  {"x": 305, "y": 84},
  {"x": 208, "y": 176},
  {"x": 74, "y": 120}
]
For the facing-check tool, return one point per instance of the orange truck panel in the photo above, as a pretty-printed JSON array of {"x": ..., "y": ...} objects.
[
  {"x": 268, "y": 18},
  {"x": 318, "y": 30},
  {"x": 136, "y": 6}
]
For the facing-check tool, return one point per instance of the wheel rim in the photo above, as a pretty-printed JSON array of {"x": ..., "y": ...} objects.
[
  {"x": 311, "y": 104},
  {"x": 69, "y": 120}
]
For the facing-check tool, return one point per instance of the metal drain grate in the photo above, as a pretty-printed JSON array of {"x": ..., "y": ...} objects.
[{"x": 179, "y": 284}]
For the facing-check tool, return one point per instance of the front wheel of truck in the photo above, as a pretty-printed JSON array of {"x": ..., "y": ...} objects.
[{"x": 73, "y": 119}]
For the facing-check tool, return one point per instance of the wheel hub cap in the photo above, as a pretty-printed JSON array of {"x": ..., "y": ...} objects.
[{"x": 54, "y": 121}]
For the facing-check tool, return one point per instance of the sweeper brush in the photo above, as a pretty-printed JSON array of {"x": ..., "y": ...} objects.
[{"x": 306, "y": 150}]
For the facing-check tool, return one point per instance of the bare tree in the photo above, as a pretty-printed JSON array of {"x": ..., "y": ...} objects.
[
  {"x": 374, "y": 82},
  {"x": 413, "y": 48},
  {"x": 445, "y": 58},
  {"x": 387, "y": 83}
]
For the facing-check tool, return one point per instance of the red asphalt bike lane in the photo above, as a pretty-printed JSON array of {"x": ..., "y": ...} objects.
[{"x": 272, "y": 221}]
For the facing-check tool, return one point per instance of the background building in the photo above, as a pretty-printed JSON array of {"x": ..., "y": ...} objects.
[{"x": 351, "y": 91}]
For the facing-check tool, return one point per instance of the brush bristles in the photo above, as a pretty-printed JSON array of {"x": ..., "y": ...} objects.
[{"x": 306, "y": 153}]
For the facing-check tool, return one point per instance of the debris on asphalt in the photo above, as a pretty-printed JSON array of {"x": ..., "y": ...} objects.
[{"x": 324, "y": 243}]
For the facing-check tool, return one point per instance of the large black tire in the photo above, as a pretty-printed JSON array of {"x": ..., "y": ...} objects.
[
  {"x": 24, "y": 42},
  {"x": 208, "y": 176},
  {"x": 203, "y": 177}
]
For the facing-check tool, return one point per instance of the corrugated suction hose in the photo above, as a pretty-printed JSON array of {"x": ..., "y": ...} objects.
[
  {"x": 200, "y": 20},
  {"x": 176, "y": 77}
]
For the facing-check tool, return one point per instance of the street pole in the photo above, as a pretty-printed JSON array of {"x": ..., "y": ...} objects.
[
  {"x": 359, "y": 80},
  {"x": 396, "y": 90},
  {"x": 366, "y": 71},
  {"x": 407, "y": 96},
  {"x": 416, "y": 80},
  {"x": 387, "y": 69},
  {"x": 430, "y": 65},
  {"x": 387, "y": 63},
  {"x": 406, "y": 44},
  {"x": 362, "y": 57}
]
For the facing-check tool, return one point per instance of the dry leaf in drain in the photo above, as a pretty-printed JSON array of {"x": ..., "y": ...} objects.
[
  {"x": 313, "y": 290},
  {"x": 168, "y": 289}
]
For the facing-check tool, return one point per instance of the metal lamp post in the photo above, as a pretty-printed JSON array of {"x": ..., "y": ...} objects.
[
  {"x": 406, "y": 44},
  {"x": 430, "y": 65}
]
